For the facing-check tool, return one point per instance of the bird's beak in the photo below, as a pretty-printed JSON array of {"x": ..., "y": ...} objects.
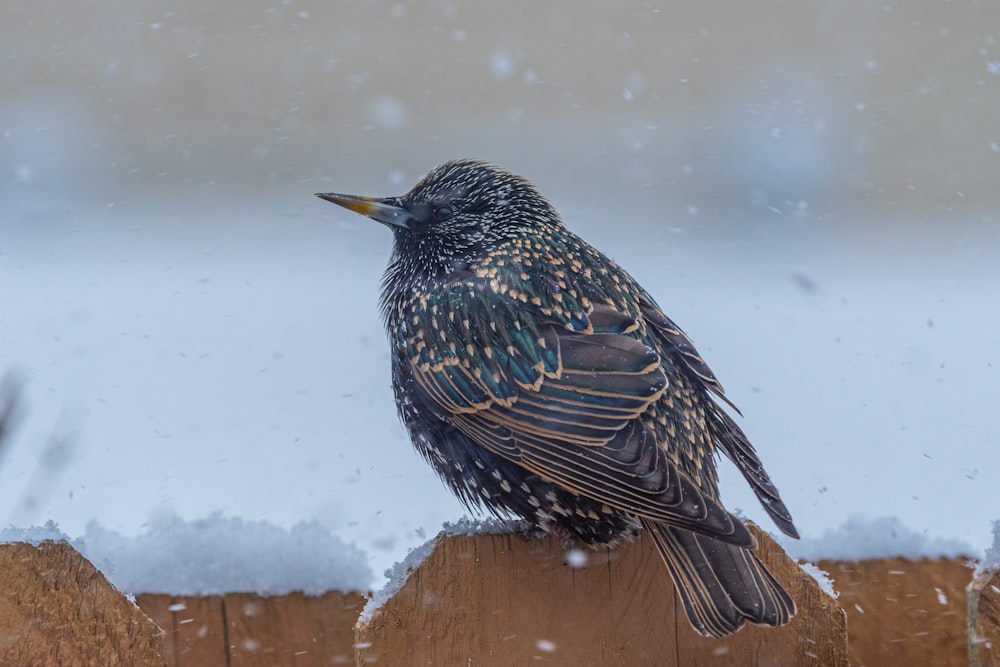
[{"x": 387, "y": 211}]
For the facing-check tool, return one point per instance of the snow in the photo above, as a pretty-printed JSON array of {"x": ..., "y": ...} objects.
[
  {"x": 36, "y": 534},
  {"x": 546, "y": 645},
  {"x": 822, "y": 577},
  {"x": 396, "y": 576},
  {"x": 991, "y": 559},
  {"x": 400, "y": 571},
  {"x": 216, "y": 555},
  {"x": 861, "y": 538},
  {"x": 481, "y": 526},
  {"x": 388, "y": 112},
  {"x": 576, "y": 558},
  {"x": 502, "y": 64}
]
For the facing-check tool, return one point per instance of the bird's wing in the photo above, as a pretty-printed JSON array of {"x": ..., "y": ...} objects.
[
  {"x": 560, "y": 398},
  {"x": 676, "y": 340},
  {"x": 729, "y": 437}
]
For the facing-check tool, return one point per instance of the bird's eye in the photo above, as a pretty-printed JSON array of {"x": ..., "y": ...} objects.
[{"x": 442, "y": 212}]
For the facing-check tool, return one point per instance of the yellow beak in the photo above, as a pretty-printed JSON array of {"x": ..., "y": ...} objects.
[{"x": 388, "y": 211}]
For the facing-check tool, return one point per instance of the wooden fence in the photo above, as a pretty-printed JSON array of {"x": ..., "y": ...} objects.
[{"x": 500, "y": 600}]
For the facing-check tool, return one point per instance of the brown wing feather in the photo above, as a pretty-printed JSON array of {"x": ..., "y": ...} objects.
[
  {"x": 721, "y": 585},
  {"x": 677, "y": 340},
  {"x": 648, "y": 484},
  {"x": 579, "y": 424},
  {"x": 728, "y": 436}
]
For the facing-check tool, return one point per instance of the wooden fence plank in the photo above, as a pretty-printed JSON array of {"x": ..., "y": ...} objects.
[
  {"x": 505, "y": 599},
  {"x": 157, "y": 607},
  {"x": 903, "y": 612},
  {"x": 295, "y": 629},
  {"x": 247, "y": 630},
  {"x": 58, "y": 609},
  {"x": 984, "y": 620},
  {"x": 194, "y": 627},
  {"x": 499, "y": 599}
]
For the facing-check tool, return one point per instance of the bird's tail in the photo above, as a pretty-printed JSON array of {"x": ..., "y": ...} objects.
[{"x": 722, "y": 585}]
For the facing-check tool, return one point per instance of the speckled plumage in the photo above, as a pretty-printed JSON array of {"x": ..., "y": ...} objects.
[{"x": 542, "y": 382}]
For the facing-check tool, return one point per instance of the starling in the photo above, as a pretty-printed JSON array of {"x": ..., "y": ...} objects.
[{"x": 542, "y": 382}]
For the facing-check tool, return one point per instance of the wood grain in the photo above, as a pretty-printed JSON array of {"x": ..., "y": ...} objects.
[
  {"x": 506, "y": 599},
  {"x": 247, "y": 630},
  {"x": 900, "y": 611},
  {"x": 500, "y": 599},
  {"x": 984, "y": 620},
  {"x": 58, "y": 609},
  {"x": 194, "y": 627}
]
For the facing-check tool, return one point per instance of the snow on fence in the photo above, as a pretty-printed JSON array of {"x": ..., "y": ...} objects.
[{"x": 500, "y": 599}]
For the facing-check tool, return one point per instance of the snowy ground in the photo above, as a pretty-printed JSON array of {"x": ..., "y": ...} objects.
[{"x": 188, "y": 358}]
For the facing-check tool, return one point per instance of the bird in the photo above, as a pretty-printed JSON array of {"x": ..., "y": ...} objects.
[{"x": 543, "y": 383}]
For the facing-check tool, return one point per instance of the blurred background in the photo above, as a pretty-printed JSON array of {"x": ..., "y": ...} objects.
[{"x": 810, "y": 189}]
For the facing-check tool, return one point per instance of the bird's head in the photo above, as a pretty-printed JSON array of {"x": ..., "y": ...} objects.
[{"x": 460, "y": 211}]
